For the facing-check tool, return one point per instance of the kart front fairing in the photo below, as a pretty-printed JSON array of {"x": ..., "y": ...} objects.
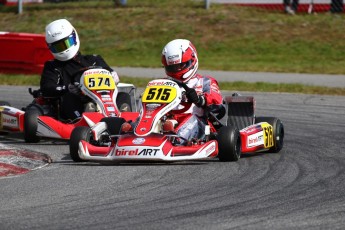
[{"x": 154, "y": 147}]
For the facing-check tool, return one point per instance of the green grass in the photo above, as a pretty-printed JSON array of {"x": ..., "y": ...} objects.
[{"x": 227, "y": 37}]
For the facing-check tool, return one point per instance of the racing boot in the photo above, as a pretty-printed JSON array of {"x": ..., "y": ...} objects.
[
  {"x": 90, "y": 107},
  {"x": 169, "y": 126},
  {"x": 126, "y": 127}
]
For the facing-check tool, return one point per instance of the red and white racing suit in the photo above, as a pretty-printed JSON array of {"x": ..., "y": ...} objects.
[{"x": 191, "y": 122}]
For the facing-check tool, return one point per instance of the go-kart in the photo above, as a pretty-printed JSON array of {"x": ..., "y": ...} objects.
[
  {"x": 41, "y": 118},
  {"x": 231, "y": 130}
]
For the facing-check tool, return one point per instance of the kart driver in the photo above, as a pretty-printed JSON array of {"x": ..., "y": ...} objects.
[
  {"x": 180, "y": 61},
  {"x": 59, "y": 75}
]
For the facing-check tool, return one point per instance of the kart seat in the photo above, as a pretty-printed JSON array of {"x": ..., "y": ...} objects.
[{"x": 240, "y": 111}]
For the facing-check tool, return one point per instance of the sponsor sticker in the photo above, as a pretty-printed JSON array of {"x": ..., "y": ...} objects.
[
  {"x": 136, "y": 152},
  {"x": 210, "y": 149},
  {"x": 255, "y": 139},
  {"x": 138, "y": 141},
  {"x": 166, "y": 83},
  {"x": 9, "y": 121},
  {"x": 152, "y": 106}
]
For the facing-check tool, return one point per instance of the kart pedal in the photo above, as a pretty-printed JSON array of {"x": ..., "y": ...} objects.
[{"x": 240, "y": 111}]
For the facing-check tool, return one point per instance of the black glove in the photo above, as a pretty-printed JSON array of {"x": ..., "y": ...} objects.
[
  {"x": 74, "y": 88},
  {"x": 193, "y": 97}
]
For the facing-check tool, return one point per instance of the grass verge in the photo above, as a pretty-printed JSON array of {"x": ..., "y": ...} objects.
[{"x": 227, "y": 37}]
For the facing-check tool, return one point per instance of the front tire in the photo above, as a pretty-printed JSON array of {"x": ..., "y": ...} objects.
[
  {"x": 278, "y": 132},
  {"x": 229, "y": 143},
  {"x": 30, "y": 125},
  {"x": 79, "y": 133}
]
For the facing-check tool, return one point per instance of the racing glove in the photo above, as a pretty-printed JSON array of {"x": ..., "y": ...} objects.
[
  {"x": 74, "y": 88},
  {"x": 193, "y": 97}
]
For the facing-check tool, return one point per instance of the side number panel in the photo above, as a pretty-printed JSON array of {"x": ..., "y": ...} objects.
[{"x": 268, "y": 136}]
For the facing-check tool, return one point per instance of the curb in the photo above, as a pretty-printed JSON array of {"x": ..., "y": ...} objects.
[{"x": 17, "y": 161}]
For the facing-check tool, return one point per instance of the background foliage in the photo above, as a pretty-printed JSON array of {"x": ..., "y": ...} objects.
[{"x": 227, "y": 37}]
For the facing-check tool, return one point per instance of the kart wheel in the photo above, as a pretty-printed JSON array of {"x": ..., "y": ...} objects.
[
  {"x": 123, "y": 102},
  {"x": 229, "y": 143},
  {"x": 30, "y": 125},
  {"x": 5, "y": 103},
  {"x": 278, "y": 132},
  {"x": 114, "y": 124},
  {"x": 79, "y": 133}
]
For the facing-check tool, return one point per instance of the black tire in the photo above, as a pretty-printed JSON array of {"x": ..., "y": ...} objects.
[
  {"x": 5, "y": 103},
  {"x": 278, "y": 132},
  {"x": 229, "y": 143},
  {"x": 30, "y": 125},
  {"x": 79, "y": 133},
  {"x": 123, "y": 102},
  {"x": 114, "y": 124}
]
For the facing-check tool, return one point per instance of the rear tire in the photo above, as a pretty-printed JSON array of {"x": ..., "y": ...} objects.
[
  {"x": 79, "y": 133},
  {"x": 229, "y": 143},
  {"x": 123, "y": 102},
  {"x": 30, "y": 125},
  {"x": 278, "y": 132}
]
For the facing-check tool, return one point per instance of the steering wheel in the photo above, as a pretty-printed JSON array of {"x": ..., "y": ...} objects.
[
  {"x": 77, "y": 74},
  {"x": 186, "y": 105}
]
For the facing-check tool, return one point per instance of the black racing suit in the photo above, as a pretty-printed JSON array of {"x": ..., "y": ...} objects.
[{"x": 56, "y": 77}]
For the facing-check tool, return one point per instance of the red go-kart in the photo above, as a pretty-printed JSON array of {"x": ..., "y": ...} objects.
[{"x": 241, "y": 132}]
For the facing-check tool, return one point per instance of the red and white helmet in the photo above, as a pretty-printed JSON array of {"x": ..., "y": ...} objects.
[
  {"x": 62, "y": 39},
  {"x": 180, "y": 60}
]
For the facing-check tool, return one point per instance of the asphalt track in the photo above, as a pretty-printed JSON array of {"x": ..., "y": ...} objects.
[{"x": 302, "y": 187}]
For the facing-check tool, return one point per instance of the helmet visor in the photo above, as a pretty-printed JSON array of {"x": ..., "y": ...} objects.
[
  {"x": 63, "y": 44},
  {"x": 178, "y": 67}
]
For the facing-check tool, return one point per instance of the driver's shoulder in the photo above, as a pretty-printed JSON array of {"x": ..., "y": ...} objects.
[
  {"x": 51, "y": 65},
  {"x": 92, "y": 57}
]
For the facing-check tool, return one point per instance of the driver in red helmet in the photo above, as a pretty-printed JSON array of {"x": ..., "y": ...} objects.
[{"x": 180, "y": 61}]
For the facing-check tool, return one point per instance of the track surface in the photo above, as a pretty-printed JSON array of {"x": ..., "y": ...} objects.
[{"x": 302, "y": 187}]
